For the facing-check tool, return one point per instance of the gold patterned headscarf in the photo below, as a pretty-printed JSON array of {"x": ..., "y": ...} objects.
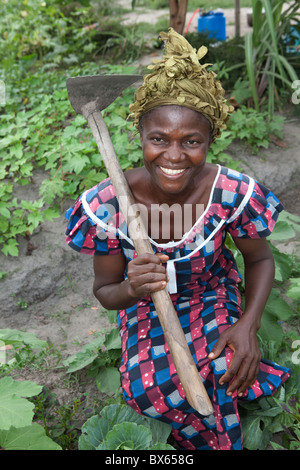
[{"x": 179, "y": 78}]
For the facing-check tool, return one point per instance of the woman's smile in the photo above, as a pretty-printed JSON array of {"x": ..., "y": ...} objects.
[{"x": 171, "y": 172}]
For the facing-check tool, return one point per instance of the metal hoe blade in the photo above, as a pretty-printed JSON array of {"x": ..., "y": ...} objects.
[{"x": 101, "y": 90}]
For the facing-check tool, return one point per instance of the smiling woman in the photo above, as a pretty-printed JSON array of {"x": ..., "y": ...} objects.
[{"x": 179, "y": 110}]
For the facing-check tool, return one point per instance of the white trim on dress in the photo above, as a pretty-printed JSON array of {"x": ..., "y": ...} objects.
[{"x": 172, "y": 284}]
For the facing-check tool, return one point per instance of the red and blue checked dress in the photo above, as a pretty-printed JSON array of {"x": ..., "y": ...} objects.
[{"x": 203, "y": 286}]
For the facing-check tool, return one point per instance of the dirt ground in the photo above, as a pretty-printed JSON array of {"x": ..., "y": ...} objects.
[{"x": 48, "y": 287}]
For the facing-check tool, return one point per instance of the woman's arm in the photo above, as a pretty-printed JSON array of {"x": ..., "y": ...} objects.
[
  {"x": 146, "y": 274},
  {"x": 241, "y": 337}
]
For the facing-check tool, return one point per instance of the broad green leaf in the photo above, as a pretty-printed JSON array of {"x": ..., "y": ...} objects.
[
  {"x": 31, "y": 437},
  {"x": 283, "y": 265},
  {"x": 50, "y": 189},
  {"x": 253, "y": 436},
  {"x": 276, "y": 310},
  {"x": 93, "y": 432},
  {"x": 108, "y": 380},
  {"x": 79, "y": 361},
  {"x": 14, "y": 409},
  {"x": 119, "y": 413},
  {"x": 276, "y": 446},
  {"x": 270, "y": 329},
  {"x": 294, "y": 290},
  {"x": 18, "y": 337},
  {"x": 160, "y": 431},
  {"x": 3, "y": 210},
  {"x": 96, "y": 428},
  {"x": 10, "y": 387},
  {"x": 127, "y": 435},
  {"x": 282, "y": 231},
  {"x": 277, "y": 307},
  {"x": 77, "y": 162},
  {"x": 11, "y": 247},
  {"x": 86, "y": 356},
  {"x": 113, "y": 340},
  {"x": 112, "y": 316}
]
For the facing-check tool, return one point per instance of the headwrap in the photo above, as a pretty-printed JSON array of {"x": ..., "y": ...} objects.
[{"x": 179, "y": 79}]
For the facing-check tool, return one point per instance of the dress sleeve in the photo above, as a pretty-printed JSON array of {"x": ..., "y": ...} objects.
[
  {"x": 86, "y": 236},
  {"x": 259, "y": 215}
]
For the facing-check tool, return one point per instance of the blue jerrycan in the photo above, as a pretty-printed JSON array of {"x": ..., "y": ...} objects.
[{"x": 213, "y": 24}]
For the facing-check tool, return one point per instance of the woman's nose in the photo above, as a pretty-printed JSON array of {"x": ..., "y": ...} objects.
[{"x": 174, "y": 152}]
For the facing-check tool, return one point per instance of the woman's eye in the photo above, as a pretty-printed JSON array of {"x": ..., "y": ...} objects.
[{"x": 192, "y": 142}]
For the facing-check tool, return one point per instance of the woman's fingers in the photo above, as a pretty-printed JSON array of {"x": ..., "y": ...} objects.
[
  {"x": 147, "y": 274},
  {"x": 242, "y": 373}
]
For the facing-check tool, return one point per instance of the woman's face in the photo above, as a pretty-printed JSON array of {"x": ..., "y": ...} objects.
[{"x": 175, "y": 141}]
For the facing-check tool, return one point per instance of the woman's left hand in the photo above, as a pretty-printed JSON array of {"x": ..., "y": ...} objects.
[{"x": 244, "y": 366}]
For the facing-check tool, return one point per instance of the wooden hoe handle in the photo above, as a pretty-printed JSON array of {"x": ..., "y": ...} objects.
[{"x": 186, "y": 369}]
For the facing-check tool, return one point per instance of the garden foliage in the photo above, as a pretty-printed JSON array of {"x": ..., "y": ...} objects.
[
  {"x": 119, "y": 427},
  {"x": 17, "y": 429}
]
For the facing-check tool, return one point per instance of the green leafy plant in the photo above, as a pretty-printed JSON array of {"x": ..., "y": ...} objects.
[
  {"x": 18, "y": 348},
  {"x": 267, "y": 417},
  {"x": 120, "y": 428},
  {"x": 266, "y": 63},
  {"x": 254, "y": 128},
  {"x": 217, "y": 151},
  {"x": 44, "y": 139},
  {"x": 17, "y": 431},
  {"x": 61, "y": 422}
]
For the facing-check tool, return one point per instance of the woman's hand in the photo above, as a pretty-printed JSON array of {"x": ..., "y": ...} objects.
[
  {"x": 244, "y": 366},
  {"x": 146, "y": 274}
]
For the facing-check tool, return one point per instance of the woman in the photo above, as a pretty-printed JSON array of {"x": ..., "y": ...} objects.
[{"x": 189, "y": 206}]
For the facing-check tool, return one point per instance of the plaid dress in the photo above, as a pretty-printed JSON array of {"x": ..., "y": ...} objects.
[{"x": 204, "y": 289}]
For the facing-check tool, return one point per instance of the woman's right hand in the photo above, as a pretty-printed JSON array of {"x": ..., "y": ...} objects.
[{"x": 146, "y": 274}]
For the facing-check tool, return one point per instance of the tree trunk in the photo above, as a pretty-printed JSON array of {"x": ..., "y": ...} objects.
[{"x": 178, "y": 10}]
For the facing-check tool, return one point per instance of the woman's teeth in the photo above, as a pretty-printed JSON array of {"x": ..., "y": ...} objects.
[{"x": 168, "y": 171}]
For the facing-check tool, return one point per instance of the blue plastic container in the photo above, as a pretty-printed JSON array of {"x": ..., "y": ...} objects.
[
  {"x": 292, "y": 41},
  {"x": 213, "y": 24}
]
